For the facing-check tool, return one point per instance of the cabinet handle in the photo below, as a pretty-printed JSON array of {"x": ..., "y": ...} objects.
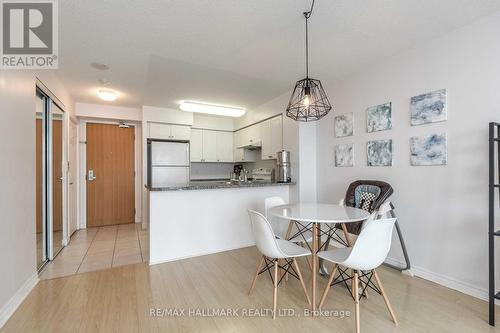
[{"x": 270, "y": 156}]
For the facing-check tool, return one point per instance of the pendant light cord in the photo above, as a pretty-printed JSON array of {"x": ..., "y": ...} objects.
[{"x": 307, "y": 15}]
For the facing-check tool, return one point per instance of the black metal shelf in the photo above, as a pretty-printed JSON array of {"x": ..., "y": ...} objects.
[{"x": 494, "y": 175}]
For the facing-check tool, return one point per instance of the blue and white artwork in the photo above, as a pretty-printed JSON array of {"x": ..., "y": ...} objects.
[
  {"x": 379, "y": 118},
  {"x": 428, "y": 150},
  {"x": 428, "y": 108},
  {"x": 379, "y": 153},
  {"x": 344, "y": 125},
  {"x": 344, "y": 155}
]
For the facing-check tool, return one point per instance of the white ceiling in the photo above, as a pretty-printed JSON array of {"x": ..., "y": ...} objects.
[{"x": 237, "y": 52}]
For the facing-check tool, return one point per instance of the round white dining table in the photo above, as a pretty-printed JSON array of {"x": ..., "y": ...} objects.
[{"x": 316, "y": 213}]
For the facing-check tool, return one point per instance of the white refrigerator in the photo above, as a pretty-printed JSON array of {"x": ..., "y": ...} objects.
[{"x": 168, "y": 163}]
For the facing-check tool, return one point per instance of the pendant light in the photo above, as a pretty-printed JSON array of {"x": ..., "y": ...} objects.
[{"x": 309, "y": 101}]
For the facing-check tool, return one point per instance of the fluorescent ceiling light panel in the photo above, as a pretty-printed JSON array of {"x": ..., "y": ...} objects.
[
  {"x": 107, "y": 95},
  {"x": 212, "y": 109}
]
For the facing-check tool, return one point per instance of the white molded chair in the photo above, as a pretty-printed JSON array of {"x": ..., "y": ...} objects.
[
  {"x": 369, "y": 252},
  {"x": 273, "y": 251},
  {"x": 277, "y": 226}
]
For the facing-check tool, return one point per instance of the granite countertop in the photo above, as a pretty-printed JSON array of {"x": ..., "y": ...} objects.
[{"x": 217, "y": 184}]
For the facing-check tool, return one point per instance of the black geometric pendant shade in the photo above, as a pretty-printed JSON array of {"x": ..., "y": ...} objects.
[{"x": 308, "y": 102}]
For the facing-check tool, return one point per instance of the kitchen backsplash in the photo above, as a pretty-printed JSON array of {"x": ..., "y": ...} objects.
[
  {"x": 211, "y": 170},
  {"x": 260, "y": 164}
]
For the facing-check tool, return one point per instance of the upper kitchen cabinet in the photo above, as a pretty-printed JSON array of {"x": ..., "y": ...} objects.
[
  {"x": 272, "y": 137},
  {"x": 249, "y": 136},
  {"x": 169, "y": 132},
  {"x": 196, "y": 145},
  {"x": 211, "y": 146},
  {"x": 224, "y": 146}
]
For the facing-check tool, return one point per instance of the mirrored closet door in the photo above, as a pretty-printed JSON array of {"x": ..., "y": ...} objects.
[
  {"x": 40, "y": 190},
  {"x": 57, "y": 178},
  {"x": 50, "y": 217}
]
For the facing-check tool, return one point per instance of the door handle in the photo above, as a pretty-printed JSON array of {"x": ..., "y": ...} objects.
[{"x": 90, "y": 175}]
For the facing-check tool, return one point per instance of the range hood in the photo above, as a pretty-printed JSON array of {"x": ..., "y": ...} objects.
[{"x": 251, "y": 146}]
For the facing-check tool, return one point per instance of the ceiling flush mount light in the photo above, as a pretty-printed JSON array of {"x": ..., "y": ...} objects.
[
  {"x": 107, "y": 95},
  {"x": 309, "y": 101},
  {"x": 211, "y": 109}
]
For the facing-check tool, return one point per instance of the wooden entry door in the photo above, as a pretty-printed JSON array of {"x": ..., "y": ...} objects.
[{"x": 111, "y": 194}]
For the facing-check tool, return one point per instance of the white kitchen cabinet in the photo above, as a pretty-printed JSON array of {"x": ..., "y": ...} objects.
[
  {"x": 169, "y": 132},
  {"x": 272, "y": 137},
  {"x": 224, "y": 146},
  {"x": 238, "y": 138},
  {"x": 159, "y": 131},
  {"x": 180, "y": 132},
  {"x": 196, "y": 145},
  {"x": 248, "y": 136},
  {"x": 209, "y": 146},
  {"x": 265, "y": 131},
  {"x": 276, "y": 135}
]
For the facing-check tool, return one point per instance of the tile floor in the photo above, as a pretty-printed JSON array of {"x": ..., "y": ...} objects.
[{"x": 99, "y": 248}]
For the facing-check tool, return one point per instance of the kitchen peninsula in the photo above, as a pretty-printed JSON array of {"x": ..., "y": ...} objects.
[{"x": 205, "y": 217}]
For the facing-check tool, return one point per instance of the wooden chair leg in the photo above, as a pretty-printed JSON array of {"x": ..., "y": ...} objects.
[
  {"x": 256, "y": 275},
  {"x": 301, "y": 280},
  {"x": 386, "y": 299},
  {"x": 346, "y": 235},
  {"x": 287, "y": 237},
  {"x": 327, "y": 288},
  {"x": 275, "y": 289},
  {"x": 356, "y": 300}
]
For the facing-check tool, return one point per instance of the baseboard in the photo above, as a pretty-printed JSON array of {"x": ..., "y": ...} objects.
[
  {"x": 444, "y": 280},
  {"x": 11, "y": 306},
  {"x": 199, "y": 254}
]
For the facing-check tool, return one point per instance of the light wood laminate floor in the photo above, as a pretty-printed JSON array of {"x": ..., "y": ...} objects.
[
  {"x": 120, "y": 300},
  {"x": 100, "y": 248}
]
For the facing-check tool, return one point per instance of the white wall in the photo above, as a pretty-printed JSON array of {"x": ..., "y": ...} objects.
[
  {"x": 152, "y": 113},
  {"x": 106, "y": 111},
  {"x": 17, "y": 194},
  {"x": 442, "y": 210},
  {"x": 213, "y": 123}
]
